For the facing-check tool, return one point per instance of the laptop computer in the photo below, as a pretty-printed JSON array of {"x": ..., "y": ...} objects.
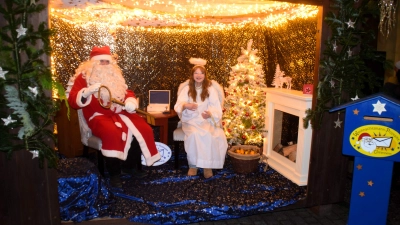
[{"x": 159, "y": 100}]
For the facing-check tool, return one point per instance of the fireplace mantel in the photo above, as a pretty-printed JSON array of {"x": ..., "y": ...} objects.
[{"x": 293, "y": 102}]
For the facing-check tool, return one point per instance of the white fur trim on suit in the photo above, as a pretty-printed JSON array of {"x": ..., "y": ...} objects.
[
  {"x": 79, "y": 99},
  {"x": 150, "y": 160},
  {"x": 101, "y": 57}
]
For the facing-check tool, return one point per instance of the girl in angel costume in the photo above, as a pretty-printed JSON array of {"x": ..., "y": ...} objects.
[{"x": 199, "y": 108}]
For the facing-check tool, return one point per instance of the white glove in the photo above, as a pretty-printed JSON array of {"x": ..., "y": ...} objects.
[
  {"x": 130, "y": 105},
  {"x": 91, "y": 90}
]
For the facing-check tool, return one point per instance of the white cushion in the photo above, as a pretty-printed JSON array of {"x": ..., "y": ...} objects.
[{"x": 178, "y": 134}]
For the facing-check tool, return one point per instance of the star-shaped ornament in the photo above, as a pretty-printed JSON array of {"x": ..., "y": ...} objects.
[
  {"x": 8, "y": 120},
  {"x": 332, "y": 82},
  {"x": 334, "y": 47},
  {"x": 35, "y": 153},
  {"x": 338, "y": 123},
  {"x": 355, "y": 98},
  {"x": 21, "y": 31},
  {"x": 350, "y": 24},
  {"x": 3, "y": 73},
  {"x": 362, "y": 194},
  {"x": 33, "y": 2},
  {"x": 356, "y": 111},
  {"x": 33, "y": 90},
  {"x": 349, "y": 52},
  {"x": 370, "y": 183},
  {"x": 359, "y": 166},
  {"x": 379, "y": 107}
]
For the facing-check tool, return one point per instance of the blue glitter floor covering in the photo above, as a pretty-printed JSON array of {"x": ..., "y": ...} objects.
[{"x": 169, "y": 196}]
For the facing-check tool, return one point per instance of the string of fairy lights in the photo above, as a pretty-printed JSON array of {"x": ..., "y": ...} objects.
[{"x": 199, "y": 15}]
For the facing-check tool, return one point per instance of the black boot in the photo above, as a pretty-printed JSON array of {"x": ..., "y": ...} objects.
[
  {"x": 133, "y": 163},
  {"x": 113, "y": 166}
]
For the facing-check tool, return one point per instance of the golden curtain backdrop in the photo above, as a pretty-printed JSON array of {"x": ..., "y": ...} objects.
[{"x": 158, "y": 58}]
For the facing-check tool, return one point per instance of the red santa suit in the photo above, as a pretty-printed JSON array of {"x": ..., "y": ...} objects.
[{"x": 114, "y": 127}]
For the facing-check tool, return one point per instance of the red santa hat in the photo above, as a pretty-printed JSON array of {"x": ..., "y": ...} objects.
[
  {"x": 100, "y": 53},
  {"x": 363, "y": 135}
]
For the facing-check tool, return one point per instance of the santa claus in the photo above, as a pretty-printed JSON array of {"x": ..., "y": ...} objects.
[
  {"x": 367, "y": 142},
  {"x": 116, "y": 125}
]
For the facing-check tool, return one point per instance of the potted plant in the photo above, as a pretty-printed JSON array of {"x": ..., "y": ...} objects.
[{"x": 27, "y": 108}]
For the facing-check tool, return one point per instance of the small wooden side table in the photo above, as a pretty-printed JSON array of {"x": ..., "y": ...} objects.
[{"x": 162, "y": 122}]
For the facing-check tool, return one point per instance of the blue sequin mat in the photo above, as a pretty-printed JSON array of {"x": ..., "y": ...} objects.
[{"x": 169, "y": 196}]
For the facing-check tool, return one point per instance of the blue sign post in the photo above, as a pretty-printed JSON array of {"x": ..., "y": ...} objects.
[{"x": 371, "y": 135}]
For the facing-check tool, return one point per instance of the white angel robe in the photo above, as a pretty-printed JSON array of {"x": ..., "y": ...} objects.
[{"x": 205, "y": 141}]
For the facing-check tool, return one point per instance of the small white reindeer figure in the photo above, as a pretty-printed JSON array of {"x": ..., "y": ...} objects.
[{"x": 285, "y": 80}]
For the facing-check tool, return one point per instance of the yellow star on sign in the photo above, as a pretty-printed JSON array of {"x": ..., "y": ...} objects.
[
  {"x": 362, "y": 194},
  {"x": 356, "y": 112},
  {"x": 359, "y": 166},
  {"x": 370, "y": 183}
]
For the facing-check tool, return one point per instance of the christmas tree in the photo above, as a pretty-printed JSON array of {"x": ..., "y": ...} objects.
[
  {"x": 244, "y": 108},
  {"x": 278, "y": 74},
  {"x": 26, "y": 81},
  {"x": 344, "y": 71}
]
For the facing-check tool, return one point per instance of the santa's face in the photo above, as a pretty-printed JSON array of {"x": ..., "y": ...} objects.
[
  {"x": 368, "y": 144},
  {"x": 110, "y": 76}
]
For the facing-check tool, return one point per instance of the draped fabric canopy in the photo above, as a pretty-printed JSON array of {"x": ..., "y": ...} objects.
[{"x": 155, "y": 13}]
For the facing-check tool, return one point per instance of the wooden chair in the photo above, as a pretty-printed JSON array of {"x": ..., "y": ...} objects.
[{"x": 179, "y": 135}]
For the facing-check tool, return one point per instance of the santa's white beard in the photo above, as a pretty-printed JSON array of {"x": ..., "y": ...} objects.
[{"x": 111, "y": 77}]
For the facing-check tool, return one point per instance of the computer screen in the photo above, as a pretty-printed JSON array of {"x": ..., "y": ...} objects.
[{"x": 159, "y": 96}]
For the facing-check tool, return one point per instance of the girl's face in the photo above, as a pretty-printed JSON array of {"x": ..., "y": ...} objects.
[{"x": 198, "y": 76}]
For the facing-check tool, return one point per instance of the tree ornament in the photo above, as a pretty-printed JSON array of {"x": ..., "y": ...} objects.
[
  {"x": 3, "y": 73},
  {"x": 350, "y": 24},
  {"x": 355, "y": 98},
  {"x": 8, "y": 120},
  {"x": 332, "y": 82},
  {"x": 34, "y": 91},
  {"x": 35, "y": 153},
  {"x": 349, "y": 52},
  {"x": 334, "y": 47},
  {"x": 338, "y": 122},
  {"x": 21, "y": 31}
]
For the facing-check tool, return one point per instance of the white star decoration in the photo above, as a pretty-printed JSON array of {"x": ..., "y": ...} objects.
[
  {"x": 334, "y": 46},
  {"x": 33, "y": 90},
  {"x": 332, "y": 83},
  {"x": 8, "y": 120},
  {"x": 33, "y": 2},
  {"x": 21, "y": 31},
  {"x": 349, "y": 52},
  {"x": 355, "y": 98},
  {"x": 338, "y": 123},
  {"x": 3, "y": 73},
  {"x": 35, "y": 153},
  {"x": 350, "y": 24},
  {"x": 379, "y": 107}
]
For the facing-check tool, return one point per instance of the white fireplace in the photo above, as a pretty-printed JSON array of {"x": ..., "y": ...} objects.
[{"x": 281, "y": 101}]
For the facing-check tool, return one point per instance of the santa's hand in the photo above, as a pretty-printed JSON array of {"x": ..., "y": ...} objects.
[
  {"x": 91, "y": 90},
  {"x": 130, "y": 105}
]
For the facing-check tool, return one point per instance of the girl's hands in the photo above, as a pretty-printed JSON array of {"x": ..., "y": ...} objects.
[
  {"x": 206, "y": 115},
  {"x": 191, "y": 106}
]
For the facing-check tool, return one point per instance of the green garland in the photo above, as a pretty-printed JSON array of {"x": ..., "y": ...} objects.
[
  {"x": 344, "y": 72},
  {"x": 26, "y": 108}
]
